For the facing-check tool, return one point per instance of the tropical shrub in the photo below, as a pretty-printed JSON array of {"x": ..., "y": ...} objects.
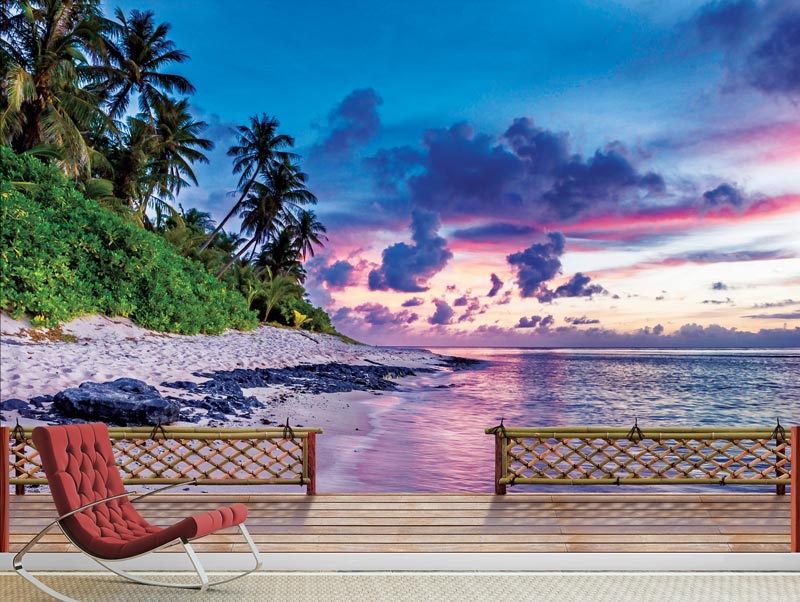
[
  {"x": 310, "y": 318},
  {"x": 63, "y": 255}
]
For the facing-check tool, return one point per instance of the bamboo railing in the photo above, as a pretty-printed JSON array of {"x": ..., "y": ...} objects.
[
  {"x": 796, "y": 491},
  {"x": 5, "y": 491},
  {"x": 214, "y": 456},
  {"x": 585, "y": 455}
]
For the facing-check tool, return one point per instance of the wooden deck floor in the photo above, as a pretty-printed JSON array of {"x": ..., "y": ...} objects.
[{"x": 578, "y": 522}]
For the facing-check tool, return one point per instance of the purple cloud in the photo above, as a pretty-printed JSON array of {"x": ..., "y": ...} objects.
[
  {"x": 497, "y": 284},
  {"x": 336, "y": 275},
  {"x": 443, "y": 314},
  {"x": 605, "y": 178},
  {"x": 493, "y": 231},
  {"x": 538, "y": 264},
  {"x": 769, "y": 304},
  {"x": 352, "y": 122},
  {"x": 724, "y": 194},
  {"x": 582, "y": 321},
  {"x": 413, "y": 302},
  {"x": 774, "y": 65},
  {"x": 407, "y": 268},
  {"x": 380, "y": 315},
  {"x": 719, "y": 286},
  {"x": 528, "y": 173},
  {"x": 578, "y": 286},
  {"x": 535, "y": 322}
]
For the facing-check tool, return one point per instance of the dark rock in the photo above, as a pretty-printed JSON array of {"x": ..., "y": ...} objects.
[
  {"x": 13, "y": 404},
  {"x": 124, "y": 402},
  {"x": 40, "y": 400},
  {"x": 460, "y": 363}
]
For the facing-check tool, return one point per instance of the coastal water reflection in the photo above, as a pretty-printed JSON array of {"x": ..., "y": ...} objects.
[{"x": 429, "y": 437}]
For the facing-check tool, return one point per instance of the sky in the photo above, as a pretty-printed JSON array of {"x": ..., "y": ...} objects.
[{"x": 580, "y": 173}]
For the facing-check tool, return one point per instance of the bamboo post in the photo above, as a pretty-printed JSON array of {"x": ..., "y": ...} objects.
[
  {"x": 20, "y": 488},
  {"x": 795, "y": 489},
  {"x": 499, "y": 457},
  {"x": 779, "y": 470},
  {"x": 5, "y": 488},
  {"x": 311, "y": 456}
]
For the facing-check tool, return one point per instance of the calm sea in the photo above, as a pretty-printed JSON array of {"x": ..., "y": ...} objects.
[{"x": 429, "y": 436}]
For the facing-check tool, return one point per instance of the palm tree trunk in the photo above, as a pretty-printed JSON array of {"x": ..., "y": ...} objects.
[
  {"x": 236, "y": 205},
  {"x": 237, "y": 256}
]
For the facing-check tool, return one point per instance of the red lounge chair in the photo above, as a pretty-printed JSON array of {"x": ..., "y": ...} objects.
[{"x": 99, "y": 519}]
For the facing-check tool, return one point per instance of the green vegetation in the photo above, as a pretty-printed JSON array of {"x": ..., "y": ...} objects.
[
  {"x": 96, "y": 227},
  {"x": 63, "y": 256}
]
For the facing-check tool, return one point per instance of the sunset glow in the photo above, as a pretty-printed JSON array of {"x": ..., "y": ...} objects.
[{"x": 574, "y": 174}]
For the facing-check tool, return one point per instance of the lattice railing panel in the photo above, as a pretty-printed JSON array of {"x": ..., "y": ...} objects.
[
  {"x": 232, "y": 456},
  {"x": 740, "y": 456}
]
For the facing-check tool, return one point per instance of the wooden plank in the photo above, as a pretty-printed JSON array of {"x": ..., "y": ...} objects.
[
  {"x": 650, "y": 548},
  {"x": 457, "y": 522}
]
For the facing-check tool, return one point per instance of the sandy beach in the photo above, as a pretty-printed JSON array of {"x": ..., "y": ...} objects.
[{"x": 101, "y": 349}]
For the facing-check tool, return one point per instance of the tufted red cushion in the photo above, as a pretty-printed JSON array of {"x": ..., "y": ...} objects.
[{"x": 80, "y": 468}]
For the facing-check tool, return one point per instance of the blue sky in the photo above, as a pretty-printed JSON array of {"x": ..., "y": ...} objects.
[{"x": 450, "y": 141}]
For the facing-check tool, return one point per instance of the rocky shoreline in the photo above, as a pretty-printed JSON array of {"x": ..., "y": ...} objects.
[{"x": 219, "y": 398}]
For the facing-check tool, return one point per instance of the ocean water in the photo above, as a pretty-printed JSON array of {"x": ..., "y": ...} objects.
[{"x": 429, "y": 436}]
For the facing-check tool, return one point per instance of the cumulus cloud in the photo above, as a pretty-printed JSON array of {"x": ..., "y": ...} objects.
[
  {"x": 413, "y": 302},
  {"x": 497, "y": 284},
  {"x": 719, "y": 286},
  {"x": 336, "y": 275},
  {"x": 376, "y": 314},
  {"x": 724, "y": 194},
  {"x": 443, "y": 314},
  {"x": 528, "y": 173},
  {"x": 727, "y": 301},
  {"x": 391, "y": 166},
  {"x": 583, "y": 320},
  {"x": 352, "y": 122},
  {"x": 579, "y": 286},
  {"x": 542, "y": 322},
  {"x": 407, "y": 268},
  {"x": 540, "y": 263}
]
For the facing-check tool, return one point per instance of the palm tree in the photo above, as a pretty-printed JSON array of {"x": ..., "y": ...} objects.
[
  {"x": 276, "y": 288},
  {"x": 272, "y": 204},
  {"x": 46, "y": 48},
  {"x": 261, "y": 214},
  {"x": 281, "y": 256},
  {"x": 259, "y": 147},
  {"x": 129, "y": 156},
  {"x": 194, "y": 218},
  {"x": 309, "y": 232},
  {"x": 176, "y": 147},
  {"x": 137, "y": 56}
]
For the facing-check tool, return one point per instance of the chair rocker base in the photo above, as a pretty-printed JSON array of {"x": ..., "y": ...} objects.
[{"x": 202, "y": 586}]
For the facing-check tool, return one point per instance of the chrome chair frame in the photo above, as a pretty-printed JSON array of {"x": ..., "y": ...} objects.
[{"x": 203, "y": 585}]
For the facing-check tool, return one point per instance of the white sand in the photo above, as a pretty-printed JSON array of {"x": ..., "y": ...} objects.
[
  {"x": 108, "y": 348},
  {"x": 105, "y": 349}
]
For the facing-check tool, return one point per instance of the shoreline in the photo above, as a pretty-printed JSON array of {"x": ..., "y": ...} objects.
[{"x": 101, "y": 349}]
